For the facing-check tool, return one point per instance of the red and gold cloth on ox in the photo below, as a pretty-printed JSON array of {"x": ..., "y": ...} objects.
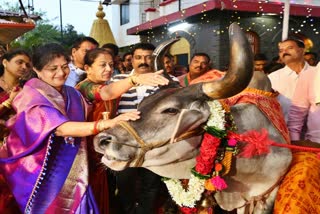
[
  {"x": 267, "y": 103},
  {"x": 299, "y": 192}
]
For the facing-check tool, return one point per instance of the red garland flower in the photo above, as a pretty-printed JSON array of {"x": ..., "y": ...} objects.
[
  {"x": 208, "y": 151},
  {"x": 188, "y": 210}
]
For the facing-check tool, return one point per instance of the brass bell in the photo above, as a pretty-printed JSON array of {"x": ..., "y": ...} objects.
[
  {"x": 105, "y": 115},
  {"x": 208, "y": 201}
]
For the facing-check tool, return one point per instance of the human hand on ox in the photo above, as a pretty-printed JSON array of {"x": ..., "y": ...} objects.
[
  {"x": 151, "y": 79},
  {"x": 133, "y": 115}
]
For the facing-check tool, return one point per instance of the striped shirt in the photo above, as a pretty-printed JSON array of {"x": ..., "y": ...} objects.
[{"x": 129, "y": 101}]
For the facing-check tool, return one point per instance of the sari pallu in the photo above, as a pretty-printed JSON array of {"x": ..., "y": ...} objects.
[
  {"x": 46, "y": 173},
  {"x": 98, "y": 174},
  {"x": 7, "y": 202},
  {"x": 5, "y": 114}
]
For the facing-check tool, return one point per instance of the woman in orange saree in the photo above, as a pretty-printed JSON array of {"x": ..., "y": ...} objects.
[{"x": 99, "y": 67}]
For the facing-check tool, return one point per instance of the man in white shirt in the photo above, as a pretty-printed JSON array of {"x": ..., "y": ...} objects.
[
  {"x": 284, "y": 80},
  {"x": 78, "y": 51}
]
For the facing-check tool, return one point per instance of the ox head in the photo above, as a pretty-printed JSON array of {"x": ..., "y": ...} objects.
[{"x": 157, "y": 141}]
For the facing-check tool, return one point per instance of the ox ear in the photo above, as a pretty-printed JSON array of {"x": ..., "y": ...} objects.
[
  {"x": 188, "y": 120},
  {"x": 260, "y": 81}
]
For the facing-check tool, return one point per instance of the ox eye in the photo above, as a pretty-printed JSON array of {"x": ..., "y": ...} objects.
[{"x": 171, "y": 111}]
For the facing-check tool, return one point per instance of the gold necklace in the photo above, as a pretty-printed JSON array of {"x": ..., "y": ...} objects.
[{"x": 5, "y": 86}]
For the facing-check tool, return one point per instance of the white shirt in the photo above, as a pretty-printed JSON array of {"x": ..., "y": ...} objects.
[
  {"x": 317, "y": 86},
  {"x": 284, "y": 81},
  {"x": 74, "y": 75}
]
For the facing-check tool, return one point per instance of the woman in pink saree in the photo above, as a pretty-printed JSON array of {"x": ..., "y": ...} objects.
[
  {"x": 13, "y": 65},
  {"x": 45, "y": 157}
]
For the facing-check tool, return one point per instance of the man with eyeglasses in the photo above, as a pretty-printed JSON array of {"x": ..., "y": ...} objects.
[
  {"x": 139, "y": 188},
  {"x": 78, "y": 51}
]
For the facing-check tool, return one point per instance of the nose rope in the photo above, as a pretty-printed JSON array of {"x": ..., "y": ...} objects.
[
  {"x": 133, "y": 133},
  {"x": 147, "y": 147},
  {"x": 144, "y": 147}
]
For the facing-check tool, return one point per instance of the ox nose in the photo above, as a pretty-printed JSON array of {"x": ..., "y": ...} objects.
[
  {"x": 101, "y": 142},
  {"x": 105, "y": 141}
]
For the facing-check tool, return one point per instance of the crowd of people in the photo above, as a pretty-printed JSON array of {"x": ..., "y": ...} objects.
[
  {"x": 293, "y": 75},
  {"x": 53, "y": 104}
]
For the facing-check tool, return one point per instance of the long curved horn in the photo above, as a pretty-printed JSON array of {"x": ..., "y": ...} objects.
[
  {"x": 158, "y": 54},
  {"x": 240, "y": 69},
  {"x": 160, "y": 51}
]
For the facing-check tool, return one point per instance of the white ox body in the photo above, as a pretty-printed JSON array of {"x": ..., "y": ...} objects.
[
  {"x": 170, "y": 113},
  {"x": 248, "y": 178}
]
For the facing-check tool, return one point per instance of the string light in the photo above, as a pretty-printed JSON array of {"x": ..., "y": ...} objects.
[{"x": 261, "y": 20}]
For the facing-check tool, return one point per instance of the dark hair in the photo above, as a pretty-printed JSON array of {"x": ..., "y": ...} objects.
[
  {"x": 143, "y": 46},
  {"x": 169, "y": 56},
  {"x": 43, "y": 54},
  {"x": 113, "y": 47},
  {"x": 299, "y": 42},
  {"x": 201, "y": 54},
  {"x": 11, "y": 54},
  {"x": 2, "y": 50},
  {"x": 315, "y": 55},
  {"x": 80, "y": 40},
  {"x": 260, "y": 56},
  {"x": 272, "y": 66},
  {"x": 125, "y": 55},
  {"x": 275, "y": 59},
  {"x": 91, "y": 55}
]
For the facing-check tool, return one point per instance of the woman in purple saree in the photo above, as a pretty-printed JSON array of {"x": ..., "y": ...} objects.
[{"x": 45, "y": 156}]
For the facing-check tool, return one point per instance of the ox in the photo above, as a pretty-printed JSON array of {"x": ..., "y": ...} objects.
[{"x": 152, "y": 142}]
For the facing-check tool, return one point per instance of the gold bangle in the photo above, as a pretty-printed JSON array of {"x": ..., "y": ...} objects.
[
  {"x": 99, "y": 126},
  {"x": 133, "y": 80},
  {"x": 6, "y": 103},
  {"x": 102, "y": 127}
]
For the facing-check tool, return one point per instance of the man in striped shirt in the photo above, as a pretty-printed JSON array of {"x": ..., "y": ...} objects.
[
  {"x": 138, "y": 187},
  {"x": 142, "y": 62}
]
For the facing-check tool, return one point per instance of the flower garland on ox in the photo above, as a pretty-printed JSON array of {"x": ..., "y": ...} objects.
[
  {"x": 205, "y": 162},
  {"x": 211, "y": 164}
]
